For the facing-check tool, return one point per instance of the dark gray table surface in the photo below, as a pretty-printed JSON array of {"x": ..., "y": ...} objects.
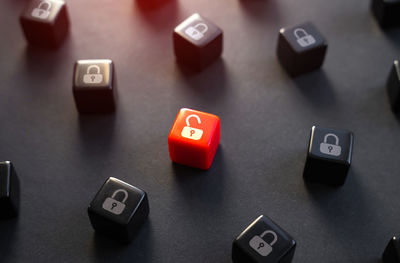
[{"x": 62, "y": 158}]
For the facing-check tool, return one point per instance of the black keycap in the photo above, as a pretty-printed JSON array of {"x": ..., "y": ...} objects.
[
  {"x": 263, "y": 242},
  {"x": 9, "y": 191},
  {"x": 392, "y": 252},
  {"x": 387, "y": 12},
  {"x": 45, "y": 22},
  {"x": 393, "y": 87},
  {"x": 197, "y": 42},
  {"x": 329, "y": 156},
  {"x": 301, "y": 49},
  {"x": 118, "y": 209},
  {"x": 94, "y": 86}
]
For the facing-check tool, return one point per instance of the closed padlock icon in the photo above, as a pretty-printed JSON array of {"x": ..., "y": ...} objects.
[
  {"x": 190, "y": 132},
  {"x": 42, "y": 11},
  {"x": 197, "y": 32},
  {"x": 261, "y": 246},
  {"x": 303, "y": 38},
  {"x": 93, "y": 78},
  {"x": 114, "y": 206},
  {"x": 328, "y": 148}
]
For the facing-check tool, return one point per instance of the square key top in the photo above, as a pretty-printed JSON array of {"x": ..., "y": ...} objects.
[
  {"x": 94, "y": 86},
  {"x": 9, "y": 191},
  {"x": 393, "y": 87},
  {"x": 194, "y": 138},
  {"x": 45, "y": 22},
  {"x": 197, "y": 42},
  {"x": 329, "y": 156},
  {"x": 301, "y": 49},
  {"x": 263, "y": 242},
  {"x": 118, "y": 209},
  {"x": 387, "y": 12}
]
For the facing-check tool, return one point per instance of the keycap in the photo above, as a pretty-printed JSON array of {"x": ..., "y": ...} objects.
[
  {"x": 197, "y": 42},
  {"x": 194, "y": 138},
  {"x": 118, "y": 209},
  {"x": 329, "y": 156},
  {"x": 263, "y": 241},
  {"x": 387, "y": 12},
  {"x": 392, "y": 251},
  {"x": 94, "y": 86},
  {"x": 9, "y": 191},
  {"x": 393, "y": 87},
  {"x": 301, "y": 49},
  {"x": 45, "y": 23}
]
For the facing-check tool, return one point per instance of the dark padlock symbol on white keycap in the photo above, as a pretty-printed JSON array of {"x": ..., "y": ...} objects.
[
  {"x": 197, "y": 32},
  {"x": 328, "y": 148},
  {"x": 42, "y": 11},
  {"x": 261, "y": 246},
  {"x": 114, "y": 206},
  {"x": 93, "y": 78},
  {"x": 303, "y": 38},
  {"x": 190, "y": 132}
]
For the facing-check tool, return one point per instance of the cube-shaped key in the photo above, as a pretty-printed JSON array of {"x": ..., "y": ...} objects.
[
  {"x": 387, "y": 12},
  {"x": 194, "y": 138},
  {"x": 392, "y": 251},
  {"x": 301, "y": 49},
  {"x": 329, "y": 156},
  {"x": 197, "y": 42},
  {"x": 94, "y": 86},
  {"x": 263, "y": 242},
  {"x": 9, "y": 191},
  {"x": 45, "y": 23},
  {"x": 393, "y": 86},
  {"x": 118, "y": 209}
]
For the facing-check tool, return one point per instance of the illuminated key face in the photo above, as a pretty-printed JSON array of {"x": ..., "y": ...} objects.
[{"x": 194, "y": 138}]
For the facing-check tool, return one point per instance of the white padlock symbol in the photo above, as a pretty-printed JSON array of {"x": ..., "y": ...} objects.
[
  {"x": 114, "y": 206},
  {"x": 90, "y": 78},
  {"x": 328, "y": 148},
  {"x": 261, "y": 246},
  {"x": 41, "y": 12},
  {"x": 190, "y": 132},
  {"x": 303, "y": 38},
  {"x": 197, "y": 32}
]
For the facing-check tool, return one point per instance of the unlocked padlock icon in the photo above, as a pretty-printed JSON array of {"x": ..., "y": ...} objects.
[
  {"x": 328, "y": 148},
  {"x": 190, "y": 132},
  {"x": 303, "y": 38},
  {"x": 197, "y": 32},
  {"x": 41, "y": 11},
  {"x": 261, "y": 246},
  {"x": 93, "y": 78},
  {"x": 114, "y": 206}
]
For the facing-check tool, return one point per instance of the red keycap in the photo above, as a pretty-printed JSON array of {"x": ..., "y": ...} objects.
[{"x": 194, "y": 138}]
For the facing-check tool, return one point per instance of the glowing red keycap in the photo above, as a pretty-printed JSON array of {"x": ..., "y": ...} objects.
[{"x": 194, "y": 138}]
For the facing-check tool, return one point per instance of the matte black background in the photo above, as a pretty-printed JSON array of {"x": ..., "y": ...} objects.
[{"x": 62, "y": 159}]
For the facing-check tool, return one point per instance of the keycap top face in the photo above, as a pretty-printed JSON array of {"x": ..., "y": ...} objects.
[
  {"x": 392, "y": 251},
  {"x": 44, "y": 11},
  {"x": 194, "y": 127},
  {"x": 304, "y": 37},
  {"x": 198, "y": 30},
  {"x": 93, "y": 74},
  {"x": 117, "y": 200},
  {"x": 265, "y": 241},
  {"x": 331, "y": 144}
]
